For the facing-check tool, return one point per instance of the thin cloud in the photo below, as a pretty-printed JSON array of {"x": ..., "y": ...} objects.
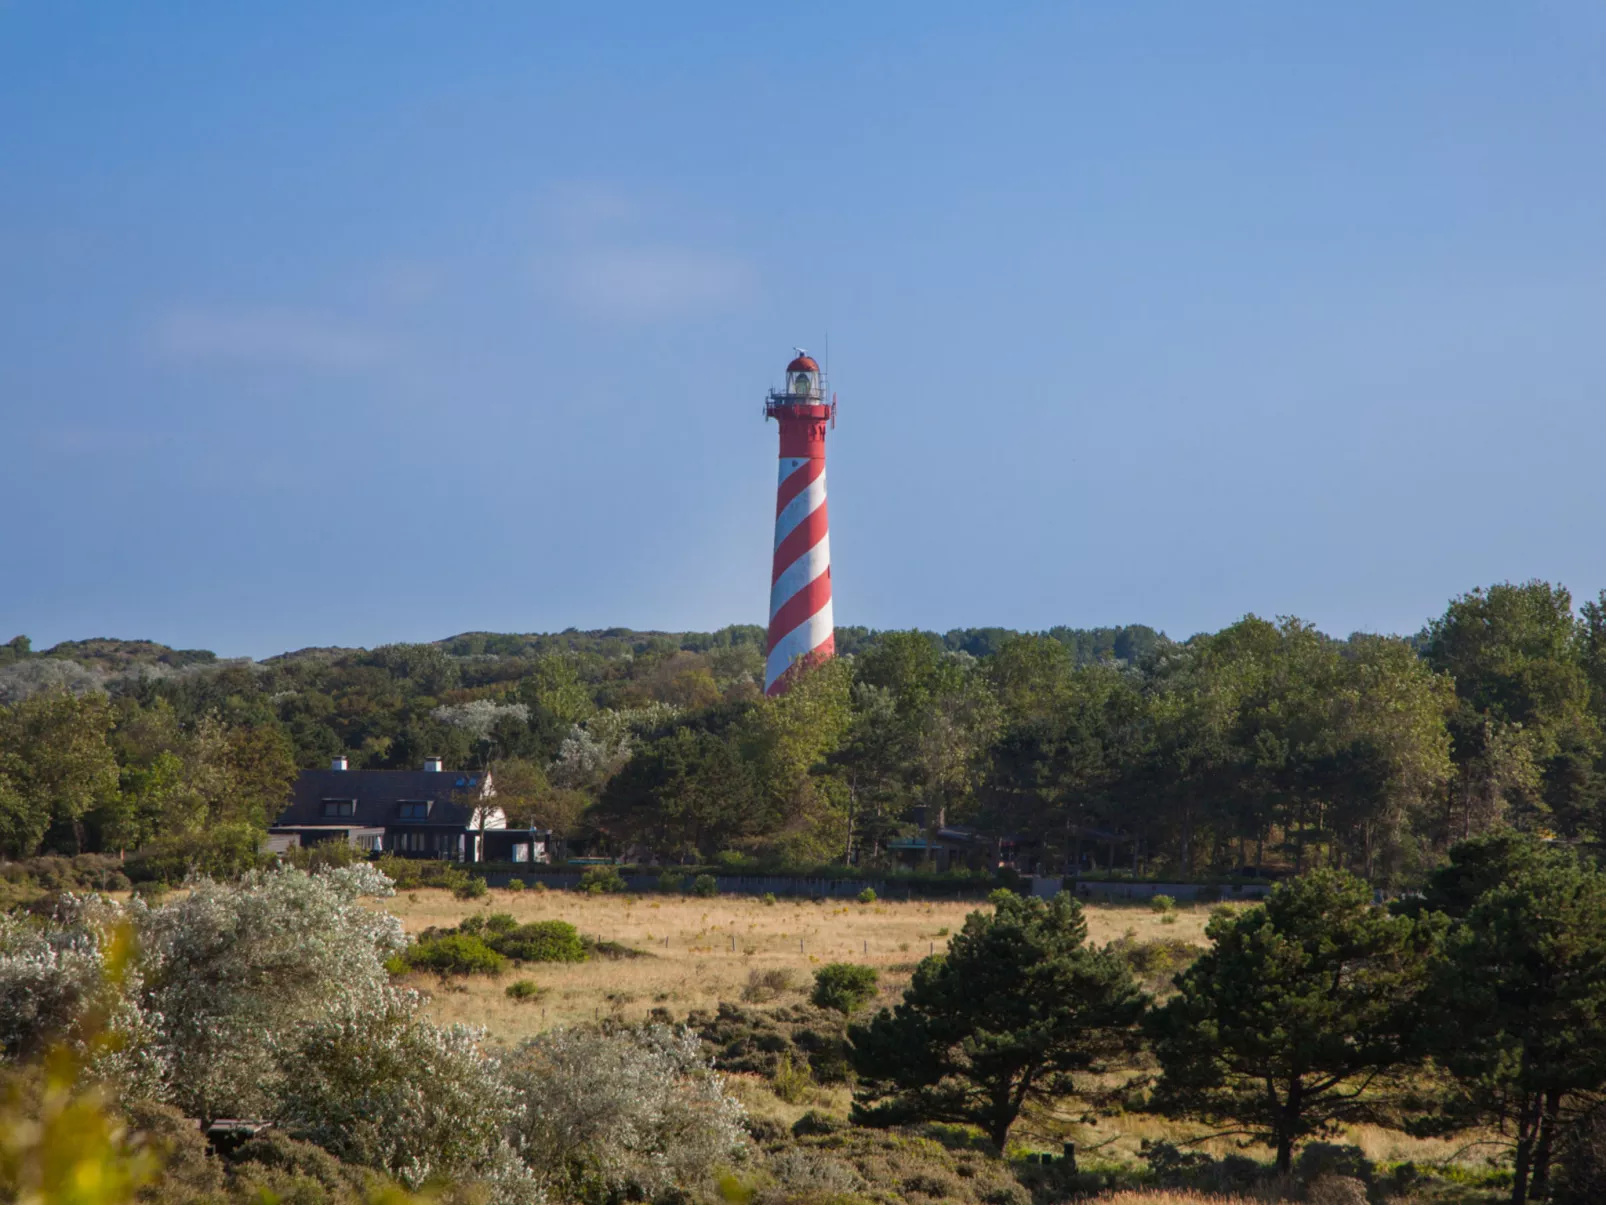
[
  {"x": 581, "y": 210},
  {"x": 655, "y": 282},
  {"x": 266, "y": 338}
]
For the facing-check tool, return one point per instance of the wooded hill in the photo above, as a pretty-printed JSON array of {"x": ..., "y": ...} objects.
[{"x": 1264, "y": 744}]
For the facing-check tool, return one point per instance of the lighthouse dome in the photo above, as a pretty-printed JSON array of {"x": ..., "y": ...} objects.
[{"x": 804, "y": 363}]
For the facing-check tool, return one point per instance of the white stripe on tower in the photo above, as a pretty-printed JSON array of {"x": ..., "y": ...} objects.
[{"x": 800, "y": 591}]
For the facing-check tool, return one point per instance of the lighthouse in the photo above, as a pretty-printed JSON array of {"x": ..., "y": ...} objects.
[{"x": 801, "y": 632}]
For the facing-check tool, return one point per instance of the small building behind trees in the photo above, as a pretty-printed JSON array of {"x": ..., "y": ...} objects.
[{"x": 450, "y": 815}]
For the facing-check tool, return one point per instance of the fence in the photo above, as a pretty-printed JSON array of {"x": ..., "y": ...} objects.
[{"x": 1046, "y": 886}]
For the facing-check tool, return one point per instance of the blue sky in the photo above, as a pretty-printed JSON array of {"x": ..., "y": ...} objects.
[{"x": 348, "y": 324}]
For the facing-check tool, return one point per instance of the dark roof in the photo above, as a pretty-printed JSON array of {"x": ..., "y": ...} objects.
[{"x": 379, "y": 794}]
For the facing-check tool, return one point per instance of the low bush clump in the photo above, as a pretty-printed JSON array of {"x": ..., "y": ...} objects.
[
  {"x": 843, "y": 986},
  {"x": 705, "y": 885},
  {"x": 1156, "y": 962},
  {"x": 495, "y": 923},
  {"x": 515, "y": 885},
  {"x": 793, "y": 1082},
  {"x": 526, "y": 990},
  {"x": 764, "y": 986},
  {"x": 867, "y": 896},
  {"x": 901, "y": 1166},
  {"x": 541, "y": 941},
  {"x": 453, "y": 954},
  {"x": 23, "y": 882},
  {"x": 599, "y": 879},
  {"x": 752, "y": 1040},
  {"x": 671, "y": 882}
]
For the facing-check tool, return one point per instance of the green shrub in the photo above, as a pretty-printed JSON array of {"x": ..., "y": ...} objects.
[
  {"x": 515, "y": 885},
  {"x": 406, "y": 873},
  {"x": 500, "y": 922},
  {"x": 867, "y": 896},
  {"x": 705, "y": 885},
  {"x": 815, "y": 1122},
  {"x": 152, "y": 892},
  {"x": 224, "y": 851},
  {"x": 473, "y": 924},
  {"x": 792, "y": 1082},
  {"x": 769, "y": 899},
  {"x": 525, "y": 989},
  {"x": 598, "y": 879},
  {"x": 1163, "y": 904},
  {"x": 843, "y": 986},
  {"x": 671, "y": 881},
  {"x": 455, "y": 954},
  {"x": 542, "y": 941},
  {"x": 732, "y": 859},
  {"x": 473, "y": 888}
]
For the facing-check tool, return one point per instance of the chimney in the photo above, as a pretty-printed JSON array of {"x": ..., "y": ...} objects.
[
  {"x": 338, "y": 763},
  {"x": 432, "y": 764}
]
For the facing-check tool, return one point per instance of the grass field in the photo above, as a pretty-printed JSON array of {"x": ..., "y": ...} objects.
[{"x": 701, "y": 951}]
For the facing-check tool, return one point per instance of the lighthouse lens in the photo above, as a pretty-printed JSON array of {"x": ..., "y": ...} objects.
[{"x": 801, "y": 383}]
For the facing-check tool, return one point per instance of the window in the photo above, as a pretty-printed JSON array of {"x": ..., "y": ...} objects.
[
  {"x": 413, "y": 809},
  {"x": 339, "y": 807}
]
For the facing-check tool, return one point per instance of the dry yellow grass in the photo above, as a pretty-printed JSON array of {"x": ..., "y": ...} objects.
[
  {"x": 1162, "y": 1196},
  {"x": 702, "y": 950}
]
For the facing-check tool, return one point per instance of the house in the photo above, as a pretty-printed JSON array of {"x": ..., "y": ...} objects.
[{"x": 428, "y": 813}]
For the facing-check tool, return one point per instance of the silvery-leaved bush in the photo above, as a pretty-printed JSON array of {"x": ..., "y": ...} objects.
[
  {"x": 237, "y": 971},
  {"x": 632, "y": 1114},
  {"x": 54, "y": 974},
  {"x": 377, "y": 1084},
  {"x": 479, "y": 717},
  {"x": 599, "y": 746}
]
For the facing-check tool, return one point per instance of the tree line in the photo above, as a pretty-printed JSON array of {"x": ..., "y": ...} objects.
[{"x": 1266, "y": 747}]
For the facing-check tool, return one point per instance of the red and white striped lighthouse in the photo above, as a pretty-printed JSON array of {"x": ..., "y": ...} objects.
[{"x": 801, "y": 631}]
